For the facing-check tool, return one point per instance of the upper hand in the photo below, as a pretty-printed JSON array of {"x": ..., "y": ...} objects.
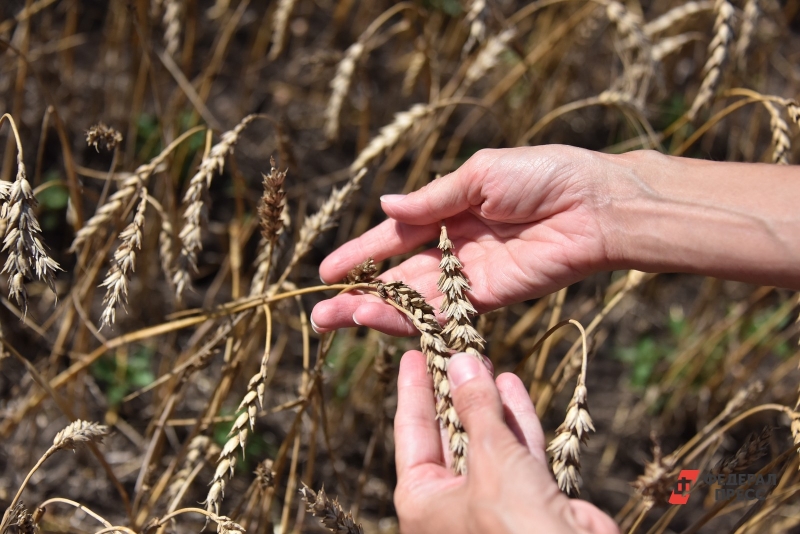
[{"x": 525, "y": 223}]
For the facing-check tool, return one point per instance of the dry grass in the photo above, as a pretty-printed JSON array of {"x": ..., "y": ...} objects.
[{"x": 227, "y": 389}]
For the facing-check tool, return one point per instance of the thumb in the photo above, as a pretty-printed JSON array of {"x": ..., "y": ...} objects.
[
  {"x": 476, "y": 398},
  {"x": 442, "y": 198}
]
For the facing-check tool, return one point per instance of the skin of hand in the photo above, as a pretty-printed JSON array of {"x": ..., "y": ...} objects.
[
  {"x": 528, "y": 221},
  {"x": 508, "y": 487}
]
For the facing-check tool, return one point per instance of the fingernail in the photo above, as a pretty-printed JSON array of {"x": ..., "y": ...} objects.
[
  {"x": 462, "y": 368},
  {"x": 322, "y": 280},
  {"x": 392, "y": 198},
  {"x": 356, "y": 320},
  {"x": 314, "y": 326}
]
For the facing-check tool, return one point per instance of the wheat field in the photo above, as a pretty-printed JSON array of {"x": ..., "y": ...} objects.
[{"x": 174, "y": 172}]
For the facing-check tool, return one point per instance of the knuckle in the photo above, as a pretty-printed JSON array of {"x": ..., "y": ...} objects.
[{"x": 473, "y": 397}]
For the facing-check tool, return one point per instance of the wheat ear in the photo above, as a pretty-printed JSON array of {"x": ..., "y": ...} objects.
[
  {"x": 172, "y": 26},
  {"x": 194, "y": 212},
  {"x": 717, "y": 55},
  {"x": 566, "y": 446},
  {"x": 123, "y": 264},
  {"x": 675, "y": 15},
  {"x": 746, "y": 32},
  {"x": 437, "y": 354},
  {"x": 389, "y": 135},
  {"x": 279, "y": 23},
  {"x": 458, "y": 331},
  {"x": 489, "y": 55},
  {"x": 102, "y": 135},
  {"x": 781, "y": 141},
  {"x": 23, "y": 235},
  {"x": 329, "y": 512},
  {"x": 476, "y": 18},
  {"x": 340, "y": 85},
  {"x": 270, "y": 212}
]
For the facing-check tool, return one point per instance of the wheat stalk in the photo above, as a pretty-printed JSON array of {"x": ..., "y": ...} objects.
[
  {"x": 329, "y": 512},
  {"x": 123, "y": 264},
  {"x": 781, "y": 141},
  {"x": 458, "y": 331},
  {"x": 717, "y": 55},
  {"x": 194, "y": 211},
  {"x": 437, "y": 354},
  {"x": 566, "y": 446},
  {"x": 23, "y": 235}
]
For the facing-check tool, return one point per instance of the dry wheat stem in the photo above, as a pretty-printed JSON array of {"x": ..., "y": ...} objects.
[
  {"x": 127, "y": 190},
  {"x": 781, "y": 141},
  {"x": 458, "y": 332},
  {"x": 717, "y": 55},
  {"x": 198, "y": 449},
  {"x": 194, "y": 202},
  {"x": 123, "y": 264},
  {"x": 437, "y": 354},
  {"x": 668, "y": 45},
  {"x": 329, "y": 512},
  {"x": 27, "y": 255},
  {"x": 566, "y": 446}
]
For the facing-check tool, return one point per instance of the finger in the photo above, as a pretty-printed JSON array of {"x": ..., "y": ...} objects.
[
  {"x": 416, "y": 431},
  {"x": 589, "y": 519},
  {"x": 443, "y": 197},
  {"x": 387, "y": 239},
  {"x": 520, "y": 415},
  {"x": 344, "y": 311},
  {"x": 476, "y": 400}
]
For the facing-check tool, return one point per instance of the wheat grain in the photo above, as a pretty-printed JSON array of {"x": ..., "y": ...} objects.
[
  {"x": 458, "y": 332},
  {"x": 265, "y": 475},
  {"x": 194, "y": 212},
  {"x": 418, "y": 59},
  {"x": 437, "y": 354},
  {"x": 329, "y": 512},
  {"x": 101, "y": 135},
  {"x": 198, "y": 448},
  {"x": 27, "y": 255},
  {"x": 79, "y": 432},
  {"x": 793, "y": 108},
  {"x": 123, "y": 264},
  {"x": 781, "y": 141},
  {"x": 362, "y": 273},
  {"x": 340, "y": 85},
  {"x": 389, "y": 135},
  {"x": 717, "y": 56},
  {"x": 755, "y": 447}
]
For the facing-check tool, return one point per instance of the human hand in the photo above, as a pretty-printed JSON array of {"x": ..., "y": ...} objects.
[
  {"x": 524, "y": 222},
  {"x": 508, "y": 487}
]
